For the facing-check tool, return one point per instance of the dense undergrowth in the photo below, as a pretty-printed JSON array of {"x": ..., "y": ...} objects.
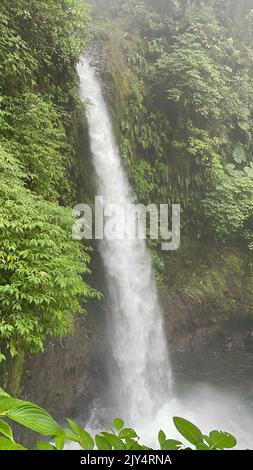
[{"x": 41, "y": 267}]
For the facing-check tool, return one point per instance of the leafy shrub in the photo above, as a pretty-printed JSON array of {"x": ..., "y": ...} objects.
[
  {"x": 32, "y": 131},
  {"x": 41, "y": 265},
  {"x": 228, "y": 205}
]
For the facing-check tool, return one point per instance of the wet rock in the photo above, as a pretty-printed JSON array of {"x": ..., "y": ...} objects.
[{"x": 58, "y": 380}]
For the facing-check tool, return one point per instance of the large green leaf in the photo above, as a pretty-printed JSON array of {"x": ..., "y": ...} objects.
[
  {"x": 35, "y": 418},
  {"x": 7, "y": 403},
  {"x": 6, "y": 444},
  {"x": 5, "y": 429},
  {"x": 222, "y": 440},
  {"x": 188, "y": 430}
]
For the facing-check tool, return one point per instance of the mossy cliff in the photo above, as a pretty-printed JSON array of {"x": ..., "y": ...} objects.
[{"x": 182, "y": 142}]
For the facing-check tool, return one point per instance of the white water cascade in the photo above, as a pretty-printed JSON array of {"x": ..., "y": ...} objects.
[{"x": 141, "y": 373}]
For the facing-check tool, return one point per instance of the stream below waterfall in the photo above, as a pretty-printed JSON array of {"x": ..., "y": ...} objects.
[{"x": 211, "y": 388}]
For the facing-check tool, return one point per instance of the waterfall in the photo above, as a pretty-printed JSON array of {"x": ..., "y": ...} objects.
[{"x": 140, "y": 368}]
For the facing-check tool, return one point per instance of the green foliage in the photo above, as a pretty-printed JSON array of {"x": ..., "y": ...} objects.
[
  {"x": 229, "y": 204},
  {"x": 33, "y": 132},
  {"x": 41, "y": 267},
  {"x": 186, "y": 107},
  {"x": 188, "y": 77},
  {"x": 6, "y": 430},
  {"x": 118, "y": 438},
  {"x": 6, "y": 444},
  {"x": 17, "y": 62},
  {"x": 40, "y": 46},
  {"x": 143, "y": 177},
  {"x": 48, "y": 35}
]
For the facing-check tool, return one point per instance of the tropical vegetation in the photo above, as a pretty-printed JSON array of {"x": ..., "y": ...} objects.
[
  {"x": 117, "y": 437},
  {"x": 42, "y": 268}
]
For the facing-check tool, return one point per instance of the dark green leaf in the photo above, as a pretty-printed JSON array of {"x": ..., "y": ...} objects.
[
  {"x": 222, "y": 440},
  {"x": 188, "y": 430}
]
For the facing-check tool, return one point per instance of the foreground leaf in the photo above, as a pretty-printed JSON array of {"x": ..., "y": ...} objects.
[
  {"x": 7, "y": 403},
  {"x": 222, "y": 440},
  {"x": 34, "y": 418},
  {"x": 161, "y": 438},
  {"x": 188, "y": 430},
  {"x": 6, "y": 444},
  {"x": 6, "y": 430}
]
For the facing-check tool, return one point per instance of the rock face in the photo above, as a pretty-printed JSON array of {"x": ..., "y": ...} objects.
[
  {"x": 189, "y": 329},
  {"x": 59, "y": 379},
  {"x": 192, "y": 329}
]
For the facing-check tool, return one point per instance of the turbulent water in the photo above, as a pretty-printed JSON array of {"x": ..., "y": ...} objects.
[{"x": 140, "y": 369}]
